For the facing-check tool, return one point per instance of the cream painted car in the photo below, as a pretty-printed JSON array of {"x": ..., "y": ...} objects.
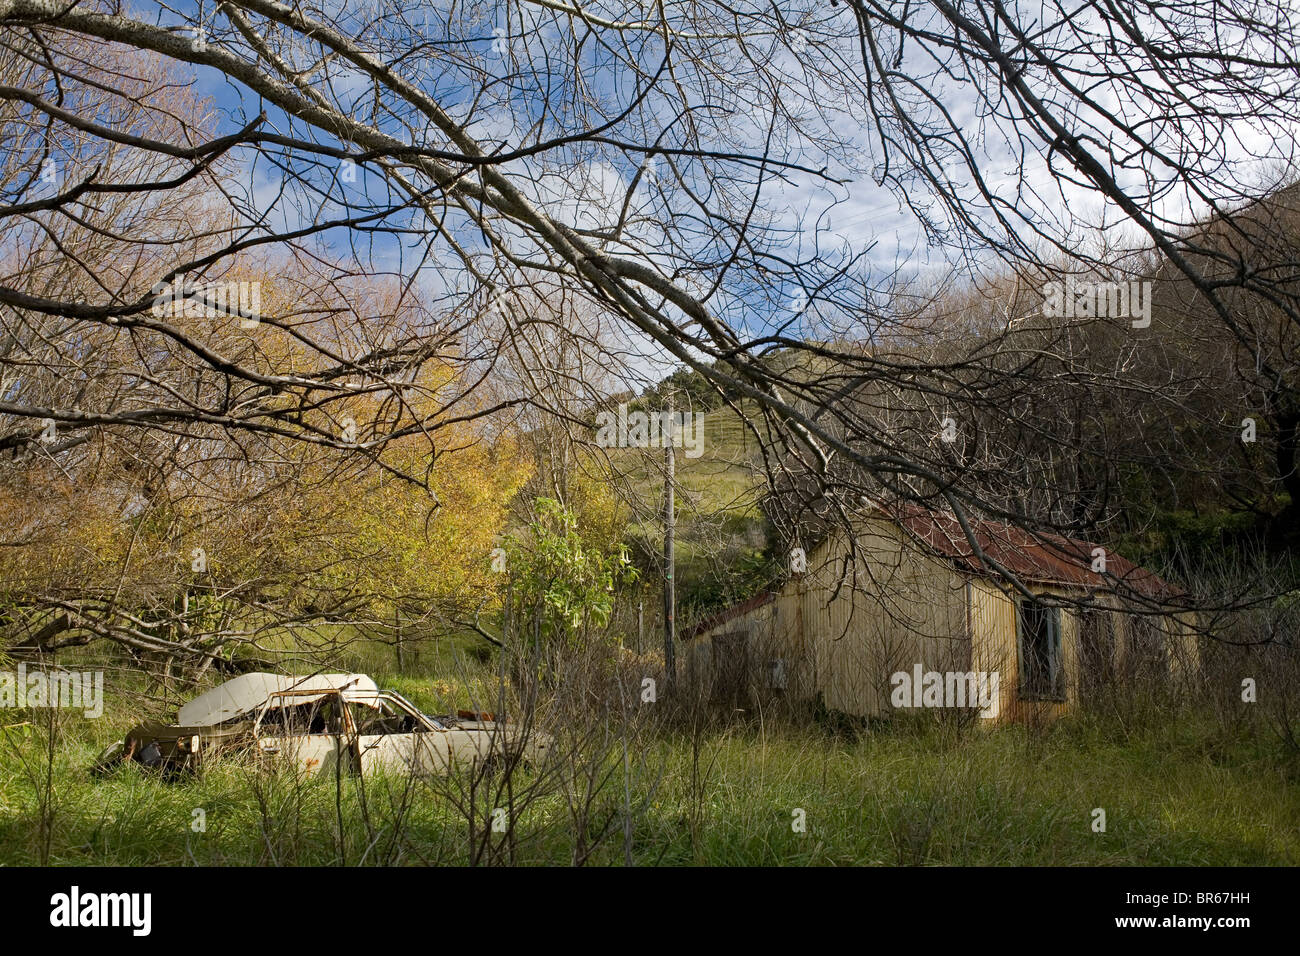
[{"x": 322, "y": 724}]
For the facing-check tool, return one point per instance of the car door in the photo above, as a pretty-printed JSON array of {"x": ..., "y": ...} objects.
[
  {"x": 386, "y": 734},
  {"x": 304, "y": 730},
  {"x": 393, "y": 736}
]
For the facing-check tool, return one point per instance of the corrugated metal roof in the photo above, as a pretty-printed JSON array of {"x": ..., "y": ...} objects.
[
  {"x": 731, "y": 613},
  {"x": 1033, "y": 558},
  {"x": 1036, "y": 558}
]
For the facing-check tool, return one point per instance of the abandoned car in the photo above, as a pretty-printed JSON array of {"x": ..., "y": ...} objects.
[{"x": 322, "y": 723}]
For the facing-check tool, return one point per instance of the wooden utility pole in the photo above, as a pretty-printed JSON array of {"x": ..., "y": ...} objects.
[{"x": 670, "y": 594}]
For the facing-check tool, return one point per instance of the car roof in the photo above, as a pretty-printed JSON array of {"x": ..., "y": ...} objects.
[{"x": 244, "y": 694}]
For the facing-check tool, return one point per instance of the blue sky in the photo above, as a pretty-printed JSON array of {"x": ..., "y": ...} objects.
[{"x": 854, "y": 217}]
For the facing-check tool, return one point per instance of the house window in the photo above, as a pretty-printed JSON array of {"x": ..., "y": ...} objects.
[{"x": 1042, "y": 668}]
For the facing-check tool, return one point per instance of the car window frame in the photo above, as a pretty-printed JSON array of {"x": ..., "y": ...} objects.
[
  {"x": 400, "y": 703},
  {"x": 344, "y": 729}
]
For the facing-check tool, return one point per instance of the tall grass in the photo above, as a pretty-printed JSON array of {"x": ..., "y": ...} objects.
[
  {"x": 1205, "y": 779},
  {"x": 1173, "y": 793}
]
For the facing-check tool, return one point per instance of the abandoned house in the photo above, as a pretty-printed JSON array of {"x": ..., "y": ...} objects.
[{"x": 917, "y": 617}]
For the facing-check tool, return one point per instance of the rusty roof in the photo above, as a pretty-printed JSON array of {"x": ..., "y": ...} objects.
[
  {"x": 1032, "y": 557},
  {"x": 731, "y": 613}
]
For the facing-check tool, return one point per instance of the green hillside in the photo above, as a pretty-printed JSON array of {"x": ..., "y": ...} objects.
[{"x": 722, "y": 536}]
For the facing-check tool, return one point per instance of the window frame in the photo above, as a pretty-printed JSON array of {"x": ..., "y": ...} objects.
[{"x": 1055, "y": 652}]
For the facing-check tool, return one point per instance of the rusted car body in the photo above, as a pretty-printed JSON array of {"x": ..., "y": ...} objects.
[{"x": 323, "y": 723}]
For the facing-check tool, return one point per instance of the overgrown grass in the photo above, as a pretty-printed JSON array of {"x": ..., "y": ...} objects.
[{"x": 1177, "y": 792}]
